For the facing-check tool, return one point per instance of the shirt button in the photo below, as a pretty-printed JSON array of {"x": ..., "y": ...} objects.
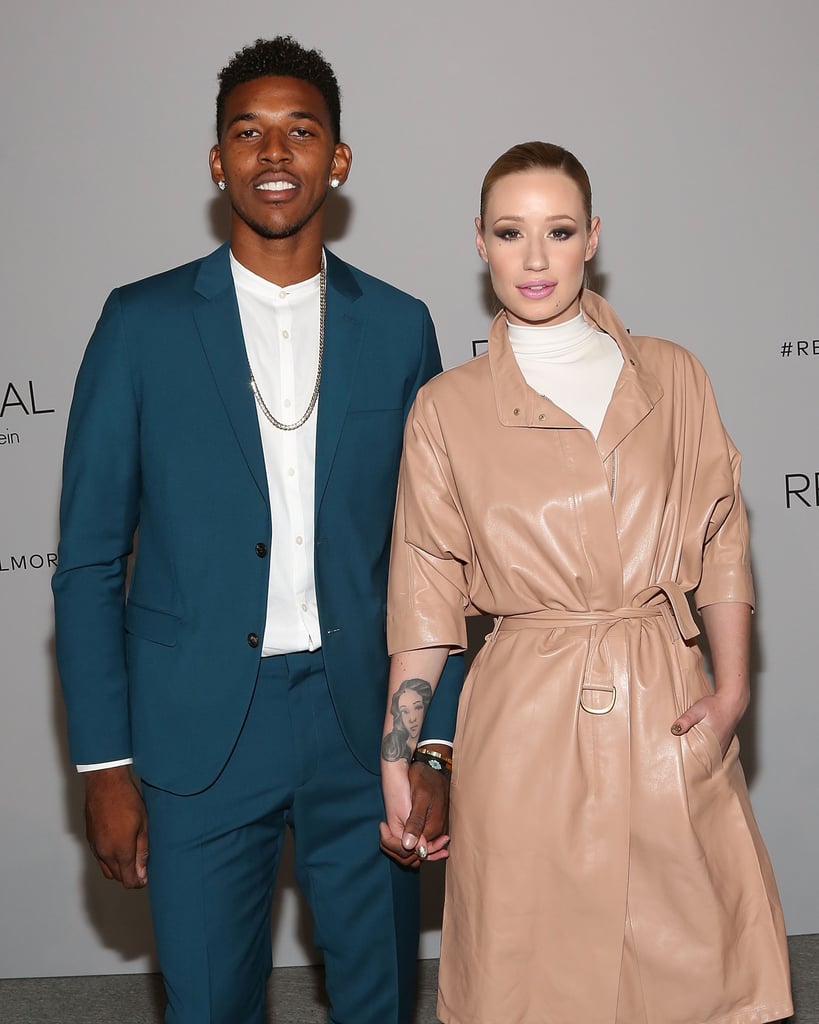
[
  {"x": 287, "y": 403},
  {"x": 291, "y": 472},
  {"x": 261, "y": 549},
  {"x": 252, "y": 640},
  {"x": 541, "y": 417},
  {"x": 285, "y": 334},
  {"x": 282, "y": 295},
  {"x": 304, "y": 607},
  {"x": 516, "y": 412},
  {"x": 299, "y": 540}
]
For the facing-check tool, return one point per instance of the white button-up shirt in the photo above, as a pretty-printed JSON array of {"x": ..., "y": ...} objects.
[{"x": 281, "y": 332}]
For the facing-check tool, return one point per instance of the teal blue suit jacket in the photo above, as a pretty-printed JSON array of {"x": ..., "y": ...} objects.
[{"x": 163, "y": 437}]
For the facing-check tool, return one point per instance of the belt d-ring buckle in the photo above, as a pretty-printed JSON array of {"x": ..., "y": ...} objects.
[{"x": 599, "y": 689}]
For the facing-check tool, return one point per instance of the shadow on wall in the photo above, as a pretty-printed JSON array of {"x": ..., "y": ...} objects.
[{"x": 121, "y": 918}]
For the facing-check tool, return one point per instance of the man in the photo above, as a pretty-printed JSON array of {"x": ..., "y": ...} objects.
[{"x": 245, "y": 413}]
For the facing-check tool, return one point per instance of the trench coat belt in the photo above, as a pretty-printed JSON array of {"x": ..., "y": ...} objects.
[{"x": 666, "y": 599}]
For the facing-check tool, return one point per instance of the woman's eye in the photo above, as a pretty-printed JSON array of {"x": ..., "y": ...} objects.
[
  {"x": 508, "y": 234},
  {"x": 561, "y": 234}
]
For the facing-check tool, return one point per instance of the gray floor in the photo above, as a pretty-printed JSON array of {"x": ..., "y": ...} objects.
[{"x": 296, "y": 995}]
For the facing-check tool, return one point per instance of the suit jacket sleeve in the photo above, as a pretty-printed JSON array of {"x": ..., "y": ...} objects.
[{"x": 98, "y": 518}]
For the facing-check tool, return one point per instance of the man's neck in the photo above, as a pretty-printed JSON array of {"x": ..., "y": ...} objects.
[{"x": 284, "y": 261}]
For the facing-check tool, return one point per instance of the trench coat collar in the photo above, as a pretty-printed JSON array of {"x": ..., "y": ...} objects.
[{"x": 636, "y": 393}]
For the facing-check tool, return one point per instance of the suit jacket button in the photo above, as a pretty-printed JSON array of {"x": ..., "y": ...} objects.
[
  {"x": 261, "y": 550},
  {"x": 252, "y": 640}
]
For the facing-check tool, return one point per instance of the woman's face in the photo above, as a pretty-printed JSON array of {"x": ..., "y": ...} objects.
[
  {"x": 411, "y": 710},
  {"x": 535, "y": 239}
]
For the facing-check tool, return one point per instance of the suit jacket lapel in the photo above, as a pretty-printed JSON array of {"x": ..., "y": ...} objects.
[
  {"x": 342, "y": 344},
  {"x": 220, "y": 331}
]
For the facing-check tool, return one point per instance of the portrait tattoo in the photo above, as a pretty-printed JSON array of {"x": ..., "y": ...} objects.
[{"x": 408, "y": 706}]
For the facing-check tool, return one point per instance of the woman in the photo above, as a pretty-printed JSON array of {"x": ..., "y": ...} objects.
[{"x": 576, "y": 483}]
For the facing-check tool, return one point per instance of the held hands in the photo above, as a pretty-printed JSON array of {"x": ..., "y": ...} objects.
[
  {"x": 417, "y": 804},
  {"x": 116, "y": 825},
  {"x": 721, "y": 713}
]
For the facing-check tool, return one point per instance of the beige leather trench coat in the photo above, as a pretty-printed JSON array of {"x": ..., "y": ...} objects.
[{"x": 601, "y": 869}]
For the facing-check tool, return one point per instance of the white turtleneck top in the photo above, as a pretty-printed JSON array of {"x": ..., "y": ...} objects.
[{"x": 572, "y": 364}]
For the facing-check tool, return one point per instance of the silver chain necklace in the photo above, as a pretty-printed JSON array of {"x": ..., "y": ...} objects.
[{"x": 254, "y": 387}]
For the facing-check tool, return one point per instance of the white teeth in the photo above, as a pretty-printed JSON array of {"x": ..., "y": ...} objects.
[{"x": 275, "y": 186}]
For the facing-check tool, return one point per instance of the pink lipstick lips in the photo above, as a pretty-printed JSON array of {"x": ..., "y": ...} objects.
[{"x": 537, "y": 289}]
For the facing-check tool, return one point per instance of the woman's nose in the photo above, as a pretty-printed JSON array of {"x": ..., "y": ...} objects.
[{"x": 536, "y": 255}]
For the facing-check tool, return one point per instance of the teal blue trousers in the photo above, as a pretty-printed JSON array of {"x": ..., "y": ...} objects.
[{"x": 214, "y": 858}]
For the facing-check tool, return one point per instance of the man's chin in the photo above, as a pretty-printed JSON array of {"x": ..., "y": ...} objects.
[{"x": 273, "y": 232}]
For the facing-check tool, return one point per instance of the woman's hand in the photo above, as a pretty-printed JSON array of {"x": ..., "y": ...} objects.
[
  {"x": 719, "y": 712},
  {"x": 409, "y": 798},
  {"x": 397, "y": 803},
  {"x": 416, "y": 801},
  {"x": 728, "y": 628}
]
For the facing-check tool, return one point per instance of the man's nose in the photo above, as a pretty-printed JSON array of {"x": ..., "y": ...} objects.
[{"x": 275, "y": 147}]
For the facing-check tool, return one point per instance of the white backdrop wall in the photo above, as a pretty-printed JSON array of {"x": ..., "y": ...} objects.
[{"x": 697, "y": 123}]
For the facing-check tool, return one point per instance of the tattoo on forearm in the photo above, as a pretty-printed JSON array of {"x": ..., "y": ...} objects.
[{"x": 408, "y": 707}]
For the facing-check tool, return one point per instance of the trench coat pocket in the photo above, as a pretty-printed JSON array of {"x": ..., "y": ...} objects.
[
  {"x": 150, "y": 624},
  {"x": 705, "y": 746}
]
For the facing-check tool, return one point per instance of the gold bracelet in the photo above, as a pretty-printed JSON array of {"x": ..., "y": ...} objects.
[
  {"x": 436, "y": 760},
  {"x": 443, "y": 755}
]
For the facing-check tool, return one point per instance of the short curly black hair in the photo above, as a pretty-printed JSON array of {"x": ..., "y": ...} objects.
[{"x": 280, "y": 56}]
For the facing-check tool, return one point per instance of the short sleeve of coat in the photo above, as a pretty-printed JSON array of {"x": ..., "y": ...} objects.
[
  {"x": 430, "y": 565},
  {"x": 726, "y": 560}
]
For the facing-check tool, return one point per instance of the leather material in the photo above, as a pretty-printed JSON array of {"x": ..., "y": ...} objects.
[{"x": 601, "y": 869}]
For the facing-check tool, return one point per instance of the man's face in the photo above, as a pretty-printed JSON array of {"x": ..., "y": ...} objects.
[{"x": 277, "y": 156}]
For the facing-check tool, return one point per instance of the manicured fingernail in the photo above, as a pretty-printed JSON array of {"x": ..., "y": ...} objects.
[
  {"x": 676, "y": 728},
  {"x": 409, "y": 841},
  {"x": 422, "y": 852}
]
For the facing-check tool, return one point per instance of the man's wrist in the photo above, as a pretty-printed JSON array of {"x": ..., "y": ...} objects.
[{"x": 439, "y": 757}]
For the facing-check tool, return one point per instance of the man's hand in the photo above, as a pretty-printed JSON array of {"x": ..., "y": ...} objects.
[
  {"x": 417, "y": 814},
  {"x": 116, "y": 825}
]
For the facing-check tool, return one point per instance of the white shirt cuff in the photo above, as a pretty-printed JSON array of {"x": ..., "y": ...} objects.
[
  {"x": 432, "y": 743},
  {"x": 104, "y": 764}
]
